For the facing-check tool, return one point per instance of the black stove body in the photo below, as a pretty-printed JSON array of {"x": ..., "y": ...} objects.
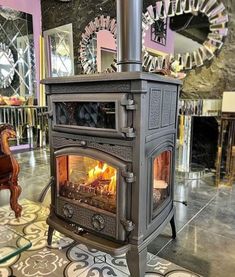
[{"x": 112, "y": 140}]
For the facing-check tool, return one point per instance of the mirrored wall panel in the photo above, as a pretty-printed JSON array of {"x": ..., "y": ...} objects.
[
  {"x": 17, "y": 61},
  {"x": 98, "y": 46},
  {"x": 59, "y": 51},
  {"x": 7, "y": 69}
]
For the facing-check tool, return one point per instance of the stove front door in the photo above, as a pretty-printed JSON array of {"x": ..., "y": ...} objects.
[{"x": 91, "y": 190}]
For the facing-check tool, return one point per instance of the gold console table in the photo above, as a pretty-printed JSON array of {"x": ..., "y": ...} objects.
[{"x": 33, "y": 118}]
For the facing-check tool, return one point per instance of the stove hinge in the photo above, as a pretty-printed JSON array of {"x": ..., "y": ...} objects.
[
  {"x": 129, "y": 132},
  {"x": 48, "y": 113},
  {"x": 128, "y": 225},
  {"x": 129, "y": 104},
  {"x": 128, "y": 176}
]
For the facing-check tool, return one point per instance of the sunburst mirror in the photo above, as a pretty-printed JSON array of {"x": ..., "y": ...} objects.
[
  {"x": 196, "y": 30},
  {"x": 98, "y": 45},
  {"x": 7, "y": 69}
]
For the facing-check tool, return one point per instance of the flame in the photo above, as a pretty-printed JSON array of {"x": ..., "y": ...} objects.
[
  {"x": 112, "y": 185},
  {"x": 103, "y": 172}
]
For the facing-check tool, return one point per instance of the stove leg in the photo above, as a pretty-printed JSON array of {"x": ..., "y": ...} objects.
[
  {"x": 50, "y": 235},
  {"x": 137, "y": 261},
  {"x": 172, "y": 222}
]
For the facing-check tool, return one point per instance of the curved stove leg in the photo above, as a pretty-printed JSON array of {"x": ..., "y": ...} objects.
[
  {"x": 137, "y": 261},
  {"x": 172, "y": 222},
  {"x": 49, "y": 235}
]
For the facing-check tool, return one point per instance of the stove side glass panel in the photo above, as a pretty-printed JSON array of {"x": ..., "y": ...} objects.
[
  {"x": 86, "y": 114},
  {"x": 161, "y": 179},
  {"x": 86, "y": 180}
]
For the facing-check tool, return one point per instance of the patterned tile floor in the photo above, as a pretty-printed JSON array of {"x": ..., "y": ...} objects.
[
  {"x": 65, "y": 257},
  {"x": 205, "y": 233}
]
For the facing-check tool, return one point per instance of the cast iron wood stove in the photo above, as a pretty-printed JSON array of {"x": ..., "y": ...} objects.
[
  {"x": 112, "y": 139},
  {"x": 112, "y": 143}
]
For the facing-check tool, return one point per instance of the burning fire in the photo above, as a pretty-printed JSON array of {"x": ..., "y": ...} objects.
[
  {"x": 103, "y": 174},
  {"x": 88, "y": 181}
]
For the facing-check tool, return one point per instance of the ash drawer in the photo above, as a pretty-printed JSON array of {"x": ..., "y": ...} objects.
[{"x": 95, "y": 220}]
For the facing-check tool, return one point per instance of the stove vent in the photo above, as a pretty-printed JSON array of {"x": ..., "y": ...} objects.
[{"x": 129, "y": 39}]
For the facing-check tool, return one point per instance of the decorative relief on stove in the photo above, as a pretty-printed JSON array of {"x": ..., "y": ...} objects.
[
  {"x": 155, "y": 108},
  {"x": 173, "y": 107},
  {"x": 120, "y": 151},
  {"x": 166, "y": 108},
  {"x": 96, "y": 87}
]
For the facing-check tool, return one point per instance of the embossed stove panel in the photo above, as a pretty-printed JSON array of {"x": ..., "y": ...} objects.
[
  {"x": 122, "y": 152},
  {"x": 162, "y": 107}
]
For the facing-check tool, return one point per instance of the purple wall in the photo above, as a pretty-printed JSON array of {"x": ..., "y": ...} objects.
[
  {"x": 32, "y": 7},
  {"x": 105, "y": 40}
]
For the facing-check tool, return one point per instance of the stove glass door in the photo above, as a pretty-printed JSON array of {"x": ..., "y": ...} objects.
[
  {"x": 88, "y": 181},
  {"x": 161, "y": 179},
  {"x": 86, "y": 114}
]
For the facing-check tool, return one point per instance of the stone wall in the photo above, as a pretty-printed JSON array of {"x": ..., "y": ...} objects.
[{"x": 208, "y": 81}]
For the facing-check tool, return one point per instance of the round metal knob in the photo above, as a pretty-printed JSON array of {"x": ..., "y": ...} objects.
[
  {"x": 68, "y": 211},
  {"x": 83, "y": 143},
  {"x": 98, "y": 222}
]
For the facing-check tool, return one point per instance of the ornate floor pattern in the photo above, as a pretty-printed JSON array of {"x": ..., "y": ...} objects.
[{"x": 65, "y": 257}]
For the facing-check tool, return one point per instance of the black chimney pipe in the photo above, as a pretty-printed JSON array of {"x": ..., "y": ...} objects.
[{"x": 129, "y": 37}]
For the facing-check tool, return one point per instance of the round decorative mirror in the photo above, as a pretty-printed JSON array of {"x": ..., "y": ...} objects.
[
  {"x": 188, "y": 31},
  {"x": 7, "y": 68},
  {"x": 98, "y": 46}
]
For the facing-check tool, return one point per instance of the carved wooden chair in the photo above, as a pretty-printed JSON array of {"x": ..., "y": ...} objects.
[{"x": 9, "y": 168}]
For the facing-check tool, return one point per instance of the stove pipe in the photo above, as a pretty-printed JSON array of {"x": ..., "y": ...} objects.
[{"x": 129, "y": 37}]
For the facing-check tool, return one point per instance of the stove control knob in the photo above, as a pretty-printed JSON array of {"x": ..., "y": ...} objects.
[
  {"x": 98, "y": 222},
  {"x": 68, "y": 210}
]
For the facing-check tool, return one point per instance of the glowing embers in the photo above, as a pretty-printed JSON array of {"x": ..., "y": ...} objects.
[
  {"x": 161, "y": 178},
  {"x": 87, "y": 181}
]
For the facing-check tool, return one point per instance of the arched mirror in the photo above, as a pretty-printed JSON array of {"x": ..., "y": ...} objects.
[
  {"x": 7, "y": 69},
  {"x": 189, "y": 31},
  {"x": 98, "y": 46}
]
